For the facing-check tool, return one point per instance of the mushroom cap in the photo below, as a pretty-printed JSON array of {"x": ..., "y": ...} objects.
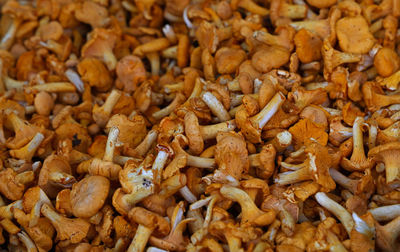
[
  {"x": 269, "y": 58},
  {"x": 149, "y": 219},
  {"x": 95, "y": 73},
  {"x": 51, "y": 164},
  {"x": 228, "y": 59},
  {"x": 192, "y": 130},
  {"x": 131, "y": 132},
  {"x": 130, "y": 72},
  {"x": 354, "y": 35},
  {"x": 88, "y": 196},
  {"x": 231, "y": 154},
  {"x": 306, "y": 132},
  {"x": 79, "y": 135},
  {"x": 92, "y": 13},
  {"x": 379, "y": 152},
  {"x": 308, "y": 46}
]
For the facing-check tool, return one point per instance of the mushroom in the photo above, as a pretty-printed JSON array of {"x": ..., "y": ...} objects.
[
  {"x": 92, "y": 13},
  {"x": 24, "y": 131},
  {"x": 358, "y": 160},
  {"x": 101, "y": 114},
  {"x": 251, "y": 127},
  {"x": 307, "y": 46},
  {"x": 28, "y": 151},
  {"x": 231, "y": 157},
  {"x": 228, "y": 59},
  {"x": 130, "y": 72},
  {"x": 73, "y": 230},
  {"x": 33, "y": 200},
  {"x": 335, "y": 208},
  {"x": 251, "y": 214},
  {"x": 391, "y": 82},
  {"x": 55, "y": 174},
  {"x": 149, "y": 223},
  {"x": 387, "y": 153},
  {"x": 386, "y": 62},
  {"x": 279, "y": 54},
  {"x": 315, "y": 167},
  {"x": 11, "y": 186},
  {"x": 306, "y": 132},
  {"x": 131, "y": 131},
  {"x": 354, "y": 35},
  {"x": 100, "y": 46},
  {"x": 104, "y": 167},
  {"x": 364, "y": 186},
  {"x": 386, "y": 236},
  {"x": 89, "y": 195},
  {"x": 375, "y": 98},
  {"x": 94, "y": 73}
]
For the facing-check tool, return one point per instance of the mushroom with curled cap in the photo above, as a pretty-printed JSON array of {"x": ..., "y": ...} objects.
[
  {"x": 131, "y": 131},
  {"x": 149, "y": 223},
  {"x": 251, "y": 214},
  {"x": 389, "y": 155},
  {"x": 94, "y": 73},
  {"x": 32, "y": 202},
  {"x": 137, "y": 183},
  {"x": 231, "y": 157},
  {"x": 73, "y": 230},
  {"x": 315, "y": 167},
  {"x": 100, "y": 46},
  {"x": 55, "y": 175},
  {"x": 89, "y": 195}
]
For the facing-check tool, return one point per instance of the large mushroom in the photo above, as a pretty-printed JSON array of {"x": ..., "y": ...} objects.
[{"x": 389, "y": 155}]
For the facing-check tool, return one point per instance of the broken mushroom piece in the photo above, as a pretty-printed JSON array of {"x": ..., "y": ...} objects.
[{"x": 89, "y": 195}]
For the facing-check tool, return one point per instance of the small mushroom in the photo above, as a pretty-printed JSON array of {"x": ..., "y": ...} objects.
[{"x": 73, "y": 230}]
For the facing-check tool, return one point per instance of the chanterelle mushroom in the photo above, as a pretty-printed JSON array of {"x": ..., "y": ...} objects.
[
  {"x": 388, "y": 154},
  {"x": 88, "y": 196}
]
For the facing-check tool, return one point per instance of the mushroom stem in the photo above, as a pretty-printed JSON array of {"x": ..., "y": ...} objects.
[
  {"x": 386, "y": 236},
  {"x": 109, "y": 59},
  {"x": 216, "y": 106},
  {"x": 74, "y": 77},
  {"x": 8, "y": 38},
  {"x": 385, "y": 213},
  {"x": 54, "y": 87},
  {"x": 111, "y": 101},
  {"x": 268, "y": 111},
  {"x": 110, "y": 145},
  {"x": 137, "y": 196},
  {"x": 250, "y": 212},
  {"x": 187, "y": 194},
  {"x": 158, "y": 165},
  {"x": 211, "y": 131},
  {"x": 342, "y": 180},
  {"x": 172, "y": 88},
  {"x": 145, "y": 145},
  {"x": 335, "y": 208},
  {"x": 292, "y": 177},
  {"x": 358, "y": 140},
  {"x": 140, "y": 240},
  {"x": 28, "y": 151},
  {"x": 178, "y": 100},
  {"x": 26, "y": 240},
  {"x": 14, "y": 84},
  {"x": 200, "y": 162},
  {"x": 252, "y": 7},
  {"x": 62, "y": 179},
  {"x": 154, "y": 59}
]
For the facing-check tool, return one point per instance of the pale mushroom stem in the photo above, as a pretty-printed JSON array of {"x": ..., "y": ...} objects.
[
  {"x": 211, "y": 131},
  {"x": 109, "y": 59},
  {"x": 29, "y": 149},
  {"x": 140, "y": 240},
  {"x": 54, "y": 87},
  {"x": 111, "y": 101},
  {"x": 13, "y": 84},
  {"x": 187, "y": 194},
  {"x": 137, "y": 196},
  {"x": 178, "y": 100},
  {"x": 234, "y": 243},
  {"x": 335, "y": 208},
  {"x": 154, "y": 59},
  {"x": 252, "y": 7},
  {"x": 342, "y": 180},
  {"x": 158, "y": 165},
  {"x": 216, "y": 106},
  {"x": 147, "y": 142},
  {"x": 198, "y": 88},
  {"x": 8, "y": 38},
  {"x": 292, "y": 177},
  {"x": 200, "y": 162},
  {"x": 262, "y": 118},
  {"x": 172, "y": 88},
  {"x": 358, "y": 140},
  {"x": 385, "y": 213},
  {"x": 7, "y": 213},
  {"x": 111, "y": 142},
  {"x": 26, "y": 240},
  {"x": 75, "y": 79}
]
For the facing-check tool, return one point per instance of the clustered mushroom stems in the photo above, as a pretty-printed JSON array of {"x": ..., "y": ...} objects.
[{"x": 182, "y": 125}]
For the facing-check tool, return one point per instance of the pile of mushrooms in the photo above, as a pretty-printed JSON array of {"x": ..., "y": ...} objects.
[{"x": 178, "y": 125}]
